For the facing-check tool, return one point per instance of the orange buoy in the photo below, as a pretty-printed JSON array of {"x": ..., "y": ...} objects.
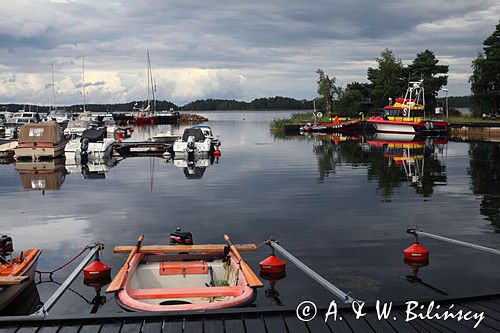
[
  {"x": 217, "y": 153},
  {"x": 416, "y": 252},
  {"x": 272, "y": 265},
  {"x": 96, "y": 271}
]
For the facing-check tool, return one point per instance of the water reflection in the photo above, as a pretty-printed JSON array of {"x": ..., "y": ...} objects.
[
  {"x": 484, "y": 170},
  {"x": 41, "y": 175},
  {"x": 391, "y": 160},
  {"x": 194, "y": 168},
  {"x": 92, "y": 170},
  {"x": 27, "y": 302}
]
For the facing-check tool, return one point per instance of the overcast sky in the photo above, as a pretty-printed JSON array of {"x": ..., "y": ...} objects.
[{"x": 224, "y": 49}]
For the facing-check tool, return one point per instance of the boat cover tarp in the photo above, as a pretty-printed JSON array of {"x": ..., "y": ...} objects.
[
  {"x": 94, "y": 134},
  {"x": 196, "y": 132},
  {"x": 48, "y": 132}
]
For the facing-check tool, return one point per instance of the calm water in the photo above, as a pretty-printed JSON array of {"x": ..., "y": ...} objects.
[{"x": 341, "y": 205}]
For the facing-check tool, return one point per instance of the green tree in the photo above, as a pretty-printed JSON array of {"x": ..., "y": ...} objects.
[
  {"x": 327, "y": 90},
  {"x": 387, "y": 79},
  {"x": 350, "y": 103},
  {"x": 426, "y": 67},
  {"x": 485, "y": 79}
]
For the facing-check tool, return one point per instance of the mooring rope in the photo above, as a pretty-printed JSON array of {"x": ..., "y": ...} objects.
[{"x": 66, "y": 264}]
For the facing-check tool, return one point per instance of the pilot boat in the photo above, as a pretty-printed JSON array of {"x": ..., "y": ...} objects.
[
  {"x": 40, "y": 140},
  {"x": 407, "y": 115},
  {"x": 15, "y": 273},
  {"x": 183, "y": 277}
]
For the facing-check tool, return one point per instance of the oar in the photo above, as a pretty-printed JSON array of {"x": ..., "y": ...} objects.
[
  {"x": 252, "y": 279},
  {"x": 117, "y": 282}
]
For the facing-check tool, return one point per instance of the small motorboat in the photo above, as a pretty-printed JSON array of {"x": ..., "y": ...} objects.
[
  {"x": 40, "y": 140},
  {"x": 93, "y": 145},
  {"x": 15, "y": 273},
  {"x": 337, "y": 126},
  {"x": 196, "y": 141},
  {"x": 184, "y": 277},
  {"x": 75, "y": 128}
]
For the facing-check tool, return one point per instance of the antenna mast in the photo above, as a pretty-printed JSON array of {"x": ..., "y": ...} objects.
[{"x": 83, "y": 82}]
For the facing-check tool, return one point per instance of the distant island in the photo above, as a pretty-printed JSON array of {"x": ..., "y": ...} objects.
[{"x": 269, "y": 103}]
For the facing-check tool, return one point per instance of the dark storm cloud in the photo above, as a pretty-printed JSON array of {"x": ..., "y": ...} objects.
[{"x": 262, "y": 47}]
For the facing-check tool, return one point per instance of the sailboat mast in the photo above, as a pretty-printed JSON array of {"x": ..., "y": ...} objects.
[
  {"x": 149, "y": 84},
  {"x": 52, "y": 89},
  {"x": 83, "y": 82}
]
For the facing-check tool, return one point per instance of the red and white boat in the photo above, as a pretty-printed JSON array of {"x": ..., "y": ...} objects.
[
  {"x": 15, "y": 273},
  {"x": 407, "y": 115},
  {"x": 186, "y": 277}
]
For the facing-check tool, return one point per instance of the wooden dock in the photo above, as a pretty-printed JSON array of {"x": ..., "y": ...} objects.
[
  {"x": 147, "y": 147},
  {"x": 253, "y": 319}
]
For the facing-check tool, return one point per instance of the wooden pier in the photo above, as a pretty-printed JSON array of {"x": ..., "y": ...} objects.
[{"x": 269, "y": 320}]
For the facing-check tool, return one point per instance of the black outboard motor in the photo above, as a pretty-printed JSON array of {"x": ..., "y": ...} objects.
[
  {"x": 6, "y": 246},
  {"x": 179, "y": 237}
]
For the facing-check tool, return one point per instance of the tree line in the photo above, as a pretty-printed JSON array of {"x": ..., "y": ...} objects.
[{"x": 269, "y": 103}]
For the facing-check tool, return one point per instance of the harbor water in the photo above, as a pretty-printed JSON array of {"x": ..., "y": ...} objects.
[{"x": 340, "y": 204}]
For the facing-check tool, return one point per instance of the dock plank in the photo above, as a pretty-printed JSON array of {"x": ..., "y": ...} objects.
[
  {"x": 357, "y": 325},
  {"x": 27, "y": 329},
  {"x": 152, "y": 326},
  {"x": 293, "y": 324},
  {"x": 94, "y": 328},
  {"x": 130, "y": 326},
  {"x": 193, "y": 325},
  {"x": 173, "y": 325},
  {"x": 254, "y": 323},
  {"x": 274, "y": 322},
  {"x": 212, "y": 325},
  {"x": 235, "y": 325}
]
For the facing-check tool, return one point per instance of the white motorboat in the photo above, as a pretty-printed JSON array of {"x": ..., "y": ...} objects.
[
  {"x": 93, "y": 145},
  {"x": 207, "y": 131},
  {"x": 61, "y": 117},
  {"x": 17, "y": 120},
  {"x": 76, "y": 128},
  {"x": 194, "y": 142}
]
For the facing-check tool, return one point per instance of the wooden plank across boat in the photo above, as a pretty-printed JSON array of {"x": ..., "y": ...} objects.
[
  {"x": 185, "y": 277},
  {"x": 152, "y": 249}
]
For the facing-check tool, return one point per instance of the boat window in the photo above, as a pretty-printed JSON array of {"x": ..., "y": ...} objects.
[{"x": 36, "y": 132}]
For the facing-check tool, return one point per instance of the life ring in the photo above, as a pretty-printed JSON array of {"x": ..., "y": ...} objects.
[{"x": 319, "y": 115}]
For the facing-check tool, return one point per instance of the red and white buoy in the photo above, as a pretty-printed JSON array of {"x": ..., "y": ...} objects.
[
  {"x": 97, "y": 270},
  {"x": 416, "y": 252},
  {"x": 272, "y": 265}
]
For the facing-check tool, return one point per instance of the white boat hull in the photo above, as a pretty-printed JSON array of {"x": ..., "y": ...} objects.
[
  {"x": 394, "y": 128},
  {"x": 8, "y": 294},
  {"x": 200, "y": 148},
  {"x": 95, "y": 151}
]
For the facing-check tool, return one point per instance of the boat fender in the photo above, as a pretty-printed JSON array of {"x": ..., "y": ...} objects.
[{"x": 217, "y": 153}]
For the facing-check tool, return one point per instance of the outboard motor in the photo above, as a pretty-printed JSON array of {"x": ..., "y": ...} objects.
[
  {"x": 84, "y": 146},
  {"x": 6, "y": 247},
  {"x": 179, "y": 237},
  {"x": 191, "y": 143}
]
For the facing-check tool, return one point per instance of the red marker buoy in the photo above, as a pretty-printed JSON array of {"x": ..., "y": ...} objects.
[
  {"x": 272, "y": 265},
  {"x": 96, "y": 271},
  {"x": 416, "y": 252},
  {"x": 217, "y": 153}
]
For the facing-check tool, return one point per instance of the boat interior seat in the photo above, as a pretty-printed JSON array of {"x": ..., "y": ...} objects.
[{"x": 197, "y": 292}]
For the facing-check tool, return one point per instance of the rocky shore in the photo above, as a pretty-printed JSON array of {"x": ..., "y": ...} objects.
[{"x": 186, "y": 118}]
